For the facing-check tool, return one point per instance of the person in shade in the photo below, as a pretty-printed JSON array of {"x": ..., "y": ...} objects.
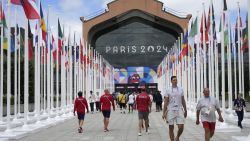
[
  {"x": 239, "y": 105},
  {"x": 80, "y": 105},
  {"x": 106, "y": 101},
  {"x": 143, "y": 104},
  {"x": 207, "y": 107},
  {"x": 175, "y": 110}
]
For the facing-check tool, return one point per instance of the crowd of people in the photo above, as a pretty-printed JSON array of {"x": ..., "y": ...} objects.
[{"x": 174, "y": 109}]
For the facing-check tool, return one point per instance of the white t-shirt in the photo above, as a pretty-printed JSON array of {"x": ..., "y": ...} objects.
[
  {"x": 175, "y": 98},
  {"x": 208, "y": 106},
  {"x": 97, "y": 98},
  {"x": 151, "y": 98},
  {"x": 131, "y": 99},
  {"x": 91, "y": 98}
]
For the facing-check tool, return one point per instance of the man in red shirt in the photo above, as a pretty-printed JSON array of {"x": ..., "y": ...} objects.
[
  {"x": 143, "y": 103},
  {"x": 106, "y": 100},
  {"x": 79, "y": 107}
]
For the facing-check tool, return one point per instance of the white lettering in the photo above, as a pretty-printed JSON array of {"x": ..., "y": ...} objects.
[
  {"x": 158, "y": 48},
  {"x": 122, "y": 49},
  {"x": 142, "y": 49},
  {"x": 151, "y": 49},
  {"x": 108, "y": 48},
  {"x": 133, "y": 49},
  {"x": 115, "y": 50}
]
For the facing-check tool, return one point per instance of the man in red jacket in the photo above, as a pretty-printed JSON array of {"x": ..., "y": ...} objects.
[
  {"x": 143, "y": 103},
  {"x": 106, "y": 100},
  {"x": 79, "y": 107}
]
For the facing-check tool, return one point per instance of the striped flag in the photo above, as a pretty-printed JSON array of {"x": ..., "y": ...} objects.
[
  {"x": 29, "y": 7},
  {"x": 43, "y": 25},
  {"x": 60, "y": 37}
]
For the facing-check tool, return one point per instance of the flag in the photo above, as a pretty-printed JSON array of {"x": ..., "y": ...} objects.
[
  {"x": 184, "y": 49},
  {"x": 81, "y": 51},
  {"x": 30, "y": 9},
  {"x": 201, "y": 28},
  {"x": 53, "y": 48},
  {"x": 2, "y": 17},
  {"x": 193, "y": 30},
  {"x": 225, "y": 5},
  {"x": 30, "y": 42},
  {"x": 18, "y": 39},
  {"x": 36, "y": 38},
  {"x": 245, "y": 36},
  {"x": 236, "y": 30},
  {"x": 3, "y": 22},
  {"x": 42, "y": 24},
  {"x": 16, "y": 2},
  {"x": 213, "y": 23},
  {"x": 60, "y": 37}
]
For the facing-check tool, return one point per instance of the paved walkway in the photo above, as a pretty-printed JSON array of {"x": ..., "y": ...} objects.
[{"x": 123, "y": 128}]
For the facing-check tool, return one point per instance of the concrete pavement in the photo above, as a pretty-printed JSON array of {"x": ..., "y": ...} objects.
[{"x": 124, "y": 128}]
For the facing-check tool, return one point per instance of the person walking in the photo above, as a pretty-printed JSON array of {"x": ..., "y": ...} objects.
[
  {"x": 91, "y": 101},
  {"x": 79, "y": 106},
  {"x": 131, "y": 101},
  {"x": 239, "y": 105},
  {"x": 106, "y": 101},
  {"x": 174, "y": 110},
  {"x": 122, "y": 102},
  {"x": 143, "y": 104},
  {"x": 158, "y": 101},
  {"x": 97, "y": 102},
  {"x": 206, "y": 107}
]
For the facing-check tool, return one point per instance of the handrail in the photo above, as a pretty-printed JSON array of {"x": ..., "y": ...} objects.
[
  {"x": 174, "y": 12},
  {"x": 94, "y": 14}
]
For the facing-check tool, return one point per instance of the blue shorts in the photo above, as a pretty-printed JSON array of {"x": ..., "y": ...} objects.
[
  {"x": 81, "y": 116},
  {"x": 106, "y": 113}
]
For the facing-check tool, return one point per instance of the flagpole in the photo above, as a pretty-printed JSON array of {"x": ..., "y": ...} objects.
[
  {"x": 39, "y": 72},
  {"x": 9, "y": 67},
  {"x": 230, "y": 88},
  {"x": 26, "y": 75},
  {"x": 239, "y": 47},
  {"x": 51, "y": 76},
  {"x": 57, "y": 72},
  {"x": 48, "y": 63},
  {"x": 235, "y": 69},
  {"x": 248, "y": 9},
  {"x": 198, "y": 91},
  {"x": 1, "y": 80},
  {"x": 205, "y": 50},
  {"x": 223, "y": 62},
  {"x": 15, "y": 68},
  {"x": 19, "y": 73}
]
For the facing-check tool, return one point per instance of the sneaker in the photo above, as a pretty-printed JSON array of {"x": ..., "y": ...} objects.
[
  {"x": 147, "y": 132},
  {"x": 79, "y": 130},
  {"x": 139, "y": 134}
]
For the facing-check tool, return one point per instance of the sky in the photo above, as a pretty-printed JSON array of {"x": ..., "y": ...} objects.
[{"x": 70, "y": 11}]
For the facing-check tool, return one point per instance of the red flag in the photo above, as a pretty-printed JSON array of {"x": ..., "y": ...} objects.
[
  {"x": 16, "y": 2},
  {"x": 201, "y": 29},
  {"x": 81, "y": 51},
  {"x": 30, "y": 9}
]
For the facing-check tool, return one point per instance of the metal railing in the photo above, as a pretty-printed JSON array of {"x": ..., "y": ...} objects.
[
  {"x": 174, "y": 12},
  {"x": 95, "y": 14}
]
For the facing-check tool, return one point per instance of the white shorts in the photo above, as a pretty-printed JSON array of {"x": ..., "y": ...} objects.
[{"x": 176, "y": 117}]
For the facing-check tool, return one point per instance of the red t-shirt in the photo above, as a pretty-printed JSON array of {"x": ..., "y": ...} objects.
[
  {"x": 80, "y": 105},
  {"x": 106, "y": 101},
  {"x": 143, "y": 102}
]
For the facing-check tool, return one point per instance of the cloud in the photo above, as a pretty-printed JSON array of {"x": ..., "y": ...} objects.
[{"x": 69, "y": 5}]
